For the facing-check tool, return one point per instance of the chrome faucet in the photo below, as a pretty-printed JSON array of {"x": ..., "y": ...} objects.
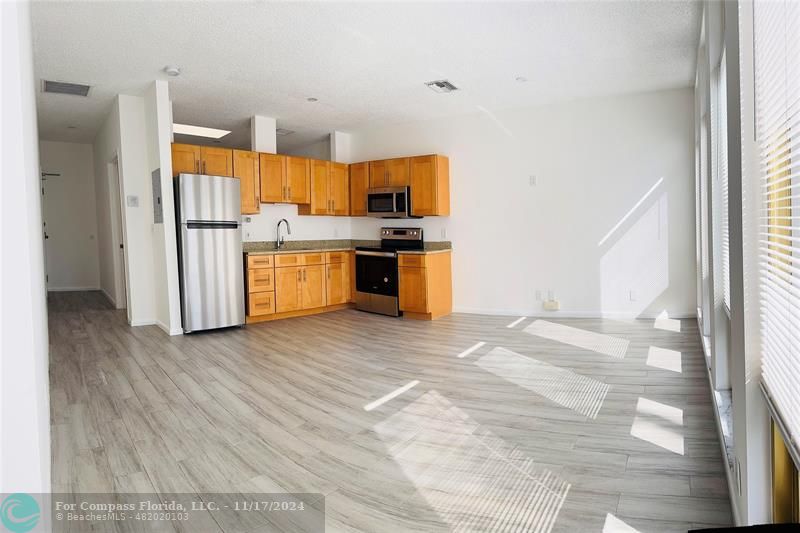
[{"x": 279, "y": 240}]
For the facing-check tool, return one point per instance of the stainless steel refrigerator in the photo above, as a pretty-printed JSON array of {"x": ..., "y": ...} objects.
[{"x": 209, "y": 251}]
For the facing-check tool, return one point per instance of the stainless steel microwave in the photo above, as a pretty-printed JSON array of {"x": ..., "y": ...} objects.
[{"x": 389, "y": 202}]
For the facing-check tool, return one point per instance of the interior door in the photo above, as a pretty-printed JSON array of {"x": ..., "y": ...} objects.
[
  {"x": 288, "y": 282},
  {"x": 313, "y": 286}
]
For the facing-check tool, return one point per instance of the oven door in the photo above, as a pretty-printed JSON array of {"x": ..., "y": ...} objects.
[
  {"x": 376, "y": 273},
  {"x": 388, "y": 202}
]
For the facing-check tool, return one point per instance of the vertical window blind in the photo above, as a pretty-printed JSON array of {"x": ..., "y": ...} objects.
[
  {"x": 776, "y": 34},
  {"x": 722, "y": 124}
]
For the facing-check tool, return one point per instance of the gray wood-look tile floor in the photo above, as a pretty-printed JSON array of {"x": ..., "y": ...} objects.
[{"x": 462, "y": 424}]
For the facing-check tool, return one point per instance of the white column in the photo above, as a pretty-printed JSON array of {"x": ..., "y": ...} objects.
[
  {"x": 340, "y": 147},
  {"x": 24, "y": 388},
  {"x": 262, "y": 134}
]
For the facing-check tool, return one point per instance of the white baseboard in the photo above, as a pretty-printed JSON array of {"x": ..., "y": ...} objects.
[
  {"x": 167, "y": 330},
  {"x": 72, "y": 289},
  {"x": 564, "y": 313}
]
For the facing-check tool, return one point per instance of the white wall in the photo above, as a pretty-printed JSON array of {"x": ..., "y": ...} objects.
[
  {"x": 262, "y": 226},
  {"x": 165, "y": 251},
  {"x": 71, "y": 217},
  {"x": 594, "y": 161},
  {"x": 317, "y": 150},
  {"x": 105, "y": 148},
  {"x": 24, "y": 392}
]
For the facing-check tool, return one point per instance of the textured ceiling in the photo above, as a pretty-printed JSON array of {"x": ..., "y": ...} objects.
[{"x": 365, "y": 62}]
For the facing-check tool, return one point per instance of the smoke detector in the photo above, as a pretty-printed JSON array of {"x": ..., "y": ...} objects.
[
  {"x": 173, "y": 71},
  {"x": 63, "y": 87},
  {"x": 441, "y": 86}
]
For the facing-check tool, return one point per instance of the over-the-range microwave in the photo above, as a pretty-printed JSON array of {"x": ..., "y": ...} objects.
[{"x": 389, "y": 202}]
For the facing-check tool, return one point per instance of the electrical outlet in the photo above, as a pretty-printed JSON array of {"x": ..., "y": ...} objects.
[
  {"x": 551, "y": 305},
  {"x": 444, "y": 233},
  {"x": 550, "y": 294},
  {"x": 532, "y": 180},
  {"x": 632, "y": 295},
  {"x": 335, "y": 232},
  {"x": 538, "y": 295}
]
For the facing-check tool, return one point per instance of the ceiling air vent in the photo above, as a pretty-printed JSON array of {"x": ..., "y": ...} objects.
[
  {"x": 62, "y": 87},
  {"x": 283, "y": 131},
  {"x": 441, "y": 86}
]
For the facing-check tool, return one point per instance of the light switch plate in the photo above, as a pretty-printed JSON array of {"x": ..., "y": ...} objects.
[{"x": 132, "y": 200}]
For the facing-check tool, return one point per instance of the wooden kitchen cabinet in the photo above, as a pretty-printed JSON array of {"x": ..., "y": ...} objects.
[
  {"x": 288, "y": 289},
  {"x": 329, "y": 190},
  {"x": 185, "y": 159},
  {"x": 377, "y": 174},
  {"x": 338, "y": 282},
  {"x": 261, "y": 303},
  {"x": 429, "y": 177},
  {"x": 272, "y": 178},
  {"x": 359, "y": 183},
  {"x": 284, "y": 179},
  {"x": 425, "y": 285},
  {"x": 246, "y": 168},
  {"x": 313, "y": 287},
  {"x": 298, "y": 180},
  {"x": 397, "y": 171},
  {"x": 208, "y": 160}
]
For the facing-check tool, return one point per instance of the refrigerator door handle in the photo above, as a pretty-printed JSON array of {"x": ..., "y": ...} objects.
[{"x": 198, "y": 224}]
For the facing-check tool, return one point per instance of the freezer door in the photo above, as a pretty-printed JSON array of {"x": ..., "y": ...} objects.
[
  {"x": 212, "y": 278},
  {"x": 212, "y": 198}
]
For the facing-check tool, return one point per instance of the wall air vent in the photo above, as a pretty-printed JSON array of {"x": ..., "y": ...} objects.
[
  {"x": 283, "y": 131},
  {"x": 62, "y": 87},
  {"x": 441, "y": 86}
]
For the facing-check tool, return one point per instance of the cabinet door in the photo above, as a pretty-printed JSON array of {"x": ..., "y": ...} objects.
[
  {"x": 397, "y": 172},
  {"x": 377, "y": 174},
  {"x": 313, "y": 286},
  {"x": 337, "y": 274},
  {"x": 185, "y": 159},
  {"x": 359, "y": 181},
  {"x": 260, "y": 279},
  {"x": 413, "y": 290},
  {"x": 320, "y": 181},
  {"x": 245, "y": 167},
  {"x": 351, "y": 289},
  {"x": 339, "y": 189},
  {"x": 273, "y": 177},
  {"x": 423, "y": 185},
  {"x": 288, "y": 284},
  {"x": 216, "y": 161},
  {"x": 298, "y": 180},
  {"x": 261, "y": 303}
]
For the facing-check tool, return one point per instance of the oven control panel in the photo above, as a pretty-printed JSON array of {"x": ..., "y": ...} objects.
[{"x": 407, "y": 234}]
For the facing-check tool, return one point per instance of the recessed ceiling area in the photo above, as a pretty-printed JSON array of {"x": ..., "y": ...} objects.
[{"x": 365, "y": 63}]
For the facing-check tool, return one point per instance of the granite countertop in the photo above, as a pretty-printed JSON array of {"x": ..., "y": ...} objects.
[{"x": 335, "y": 245}]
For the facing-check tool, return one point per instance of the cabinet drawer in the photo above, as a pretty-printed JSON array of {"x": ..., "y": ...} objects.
[
  {"x": 261, "y": 303},
  {"x": 314, "y": 259},
  {"x": 259, "y": 261},
  {"x": 288, "y": 260},
  {"x": 260, "y": 279},
  {"x": 335, "y": 257},
  {"x": 411, "y": 260}
]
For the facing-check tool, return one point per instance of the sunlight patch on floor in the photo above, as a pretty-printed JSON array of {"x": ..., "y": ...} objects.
[
  {"x": 472, "y": 478},
  {"x": 476, "y": 346},
  {"x": 394, "y": 394},
  {"x": 664, "y": 358},
  {"x": 588, "y": 340},
  {"x": 659, "y": 424},
  {"x": 615, "y": 525},
  {"x": 663, "y": 321},
  {"x": 582, "y": 394}
]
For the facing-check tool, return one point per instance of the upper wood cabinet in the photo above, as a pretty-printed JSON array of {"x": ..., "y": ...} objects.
[
  {"x": 246, "y": 168},
  {"x": 377, "y": 174},
  {"x": 209, "y": 160},
  {"x": 359, "y": 182},
  {"x": 273, "y": 178},
  {"x": 185, "y": 159},
  {"x": 298, "y": 180},
  {"x": 397, "y": 172},
  {"x": 430, "y": 185},
  {"x": 330, "y": 193}
]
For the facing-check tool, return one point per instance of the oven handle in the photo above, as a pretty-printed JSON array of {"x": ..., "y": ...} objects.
[{"x": 376, "y": 254}]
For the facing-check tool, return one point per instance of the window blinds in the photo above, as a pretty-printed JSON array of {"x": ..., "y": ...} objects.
[
  {"x": 777, "y": 98},
  {"x": 722, "y": 124}
]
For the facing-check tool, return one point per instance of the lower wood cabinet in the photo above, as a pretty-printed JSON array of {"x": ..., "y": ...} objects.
[
  {"x": 300, "y": 287},
  {"x": 261, "y": 303},
  {"x": 425, "y": 285},
  {"x": 288, "y": 286},
  {"x": 313, "y": 287}
]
